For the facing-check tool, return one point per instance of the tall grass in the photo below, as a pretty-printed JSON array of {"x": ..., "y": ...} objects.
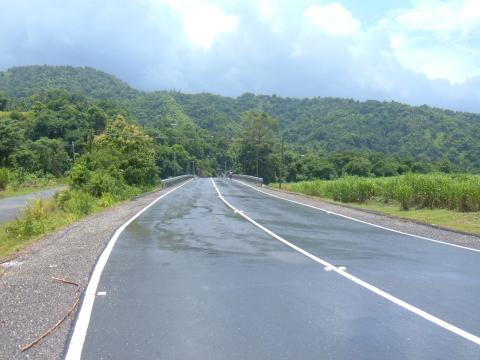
[
  {"x": 460, "y": 192},
  {"x": 43, "y": 216}
]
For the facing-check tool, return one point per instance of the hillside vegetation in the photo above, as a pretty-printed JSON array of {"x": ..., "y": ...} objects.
[{"x": 318, "y": 124}]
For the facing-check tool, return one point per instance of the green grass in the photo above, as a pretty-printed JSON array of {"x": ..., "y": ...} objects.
[
  {"x": 42, "y": 217},
  {"x": 446, "y": 200},
  {"x": 54, "y": 219},
  {"x": 462, "y": 221}
]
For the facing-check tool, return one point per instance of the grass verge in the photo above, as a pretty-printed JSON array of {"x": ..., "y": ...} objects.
[
  {"x": 468, "y": 222},
  {"x": 461, "y": 221},
  {"x": 42, "y": 217}
]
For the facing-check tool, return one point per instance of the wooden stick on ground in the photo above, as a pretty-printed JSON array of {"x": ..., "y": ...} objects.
[{"x": 59, "y": 322}]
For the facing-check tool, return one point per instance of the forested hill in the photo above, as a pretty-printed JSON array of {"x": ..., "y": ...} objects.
[{"x": 325, "y": 124}]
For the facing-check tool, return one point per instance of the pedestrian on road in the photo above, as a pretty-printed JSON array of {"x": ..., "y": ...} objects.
[{"x": 230, "y": 174}]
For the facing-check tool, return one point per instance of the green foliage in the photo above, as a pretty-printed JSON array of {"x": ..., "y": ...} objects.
[
  {"x": 4, "y": 178},
  {"x": 31, "y": 222},
  {"x": 101, "y": 182},
  {"x": 257, "y": 143},
  {"x": 337, "y": 136},
  {"x": 121, "y": 161},
  {"x": 11, "y": 137},
  {"x": 458, "y": 192},
  {"x": 50, "y": 156},
  {"x": 135, "y": 151},
  {"x": 3, "y": 101},
  {"x": 76, "y": 202}
]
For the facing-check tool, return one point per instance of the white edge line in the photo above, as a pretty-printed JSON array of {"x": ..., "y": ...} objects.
[
  {"x": 447, "y": 326},
  {"x": 81, "y": 326},
  {"x": 358, "y": 220}
]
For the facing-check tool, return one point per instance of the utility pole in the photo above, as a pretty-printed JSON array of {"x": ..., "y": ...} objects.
[
  {"x": 225, "y": 168},
  {"x": 73, "y": 150},
  {"x": 193, "y": 168}
]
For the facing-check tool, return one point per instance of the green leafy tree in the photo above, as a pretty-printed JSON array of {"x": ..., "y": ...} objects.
[
  {"x": 3, "y": 101},
  {"x": 123, "y": 155},
  {"x": 359, "y": 167},
  {"x": 11, "y": 138},
  {"x": 50, "y": 156},
  {"x": 257, "y": 142}
]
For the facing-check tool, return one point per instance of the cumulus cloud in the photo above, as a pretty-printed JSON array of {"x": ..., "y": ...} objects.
[
  {"x": 334, "y": 19},
  {"x": 438, "y": 39},
  {"x": 418, "y": 54},
  {"x": 202, "y": 22}
]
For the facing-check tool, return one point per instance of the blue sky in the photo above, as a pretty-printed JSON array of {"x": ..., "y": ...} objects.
[{"x": 422, "y": 51}]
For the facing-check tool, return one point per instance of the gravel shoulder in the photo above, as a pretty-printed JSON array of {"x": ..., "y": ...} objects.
[
  {"x": 403, "y": 225},
  {"x": 31, "y": 301}
]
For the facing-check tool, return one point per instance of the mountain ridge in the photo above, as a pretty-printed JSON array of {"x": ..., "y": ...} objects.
[{"x": 323, "y": 124}]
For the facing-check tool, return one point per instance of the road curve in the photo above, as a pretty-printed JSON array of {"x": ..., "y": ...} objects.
[{"x": 190, "y": 278}]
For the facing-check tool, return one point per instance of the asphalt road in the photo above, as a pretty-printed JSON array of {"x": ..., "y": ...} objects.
[
  {"x": 11, "y": 207},
  {"x": 191, "y": 279}
]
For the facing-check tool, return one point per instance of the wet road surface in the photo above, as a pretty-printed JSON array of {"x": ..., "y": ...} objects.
[
  {"x": 190, "y": 279},
  {"x": 11, "y": 207}
]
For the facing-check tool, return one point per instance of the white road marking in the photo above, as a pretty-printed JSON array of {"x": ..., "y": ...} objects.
[
  {"x": 340, "y": 267},
  {"x": 81, "y": 326},
  {"x": 358, "y": 220},
  {"x": 419, "y": 312},
  {"x": 102, "y": 293}
]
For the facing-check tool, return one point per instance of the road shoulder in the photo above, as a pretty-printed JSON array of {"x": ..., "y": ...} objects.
[{"x": 32, "y": 301}]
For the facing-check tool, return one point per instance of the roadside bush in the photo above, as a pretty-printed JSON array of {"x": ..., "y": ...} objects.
[
  {"x": 4, "y": 178},
  {"x": 101, "y": 182},
  {"x": 107, "y": 200},
  {"x": 31, "y": 222},
  {"x": 76, "y": 202}
]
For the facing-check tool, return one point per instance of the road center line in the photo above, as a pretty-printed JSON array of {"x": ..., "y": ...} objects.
[
  {"x": 419, "y": 312},
  {"x": 358, "y": 220},
  {"x": 81, "y": 326}
]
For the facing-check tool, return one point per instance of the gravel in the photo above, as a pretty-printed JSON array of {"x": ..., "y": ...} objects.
[
  {"x": 31, "y": 301},
  {"x": 407, "y": 226}
]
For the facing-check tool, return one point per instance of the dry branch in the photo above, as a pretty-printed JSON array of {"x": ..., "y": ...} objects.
[{"x": 59, "y": 322}]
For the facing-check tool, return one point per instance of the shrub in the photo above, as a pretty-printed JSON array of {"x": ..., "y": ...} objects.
[
  {"x": 76, "y": 202},
  {"x": 4, "y": 178},
  {"x": 31, "y": 222},
  {"x": 107, "y": 200},
  {"x": 101, "y": 182}
]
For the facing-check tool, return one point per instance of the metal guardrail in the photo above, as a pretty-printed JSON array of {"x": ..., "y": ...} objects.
[
  {"x": 173, "y": 180},
  {"x": 253, "y": 179}
]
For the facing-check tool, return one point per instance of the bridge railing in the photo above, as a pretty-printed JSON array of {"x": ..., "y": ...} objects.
[
  {"x": 252, "y": 179},
  {"x": 174, "y": 180}
]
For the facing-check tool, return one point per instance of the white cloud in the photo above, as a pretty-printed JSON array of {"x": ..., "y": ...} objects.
[
  {"x": 436, "y": 38},
  {"x": 202, "y": 22},
  {"x": 334, "y": 19}
]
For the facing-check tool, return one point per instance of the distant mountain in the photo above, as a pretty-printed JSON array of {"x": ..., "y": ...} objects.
[
  {"x": 26, "y": 80},
  {"x": 325, "y": 124}
]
